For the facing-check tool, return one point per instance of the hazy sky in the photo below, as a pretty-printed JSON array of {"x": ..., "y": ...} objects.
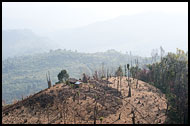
[
  {"x": 47, "y": 18},
  {"x": 50, "y": 16}
]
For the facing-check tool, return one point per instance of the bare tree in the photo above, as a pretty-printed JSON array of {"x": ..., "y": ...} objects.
[
  {"x": 129, "y": 93},
  {"x": 95, "y": 109},
  {"x": 48, "y": 80},
  {"x": 119, "y": 74},
  {"x": 133, "y": 117},
  {"x": 125, "y": 70},
  {"x": 78, "y": 94},
  {"x": 120, "y": 77},
  {"x": 137, "y": 65},
  {"x": 154, "y": 55},
  {"x": 162, "y": 51},
  {"x": 103, "y": 73},
  {"x": 107, "y": 75},
  {"x": 117, "y": 86},
  {"x": 64, "y": 111},
  {"x": 128, "y": 73}
]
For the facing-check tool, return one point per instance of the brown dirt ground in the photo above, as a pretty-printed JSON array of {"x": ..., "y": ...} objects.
[{"x": 148, "y": 103}]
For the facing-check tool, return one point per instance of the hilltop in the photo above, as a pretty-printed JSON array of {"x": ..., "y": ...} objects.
[
  {"x": 63, "y": 104},
  {"x": 25, "y": 75}
]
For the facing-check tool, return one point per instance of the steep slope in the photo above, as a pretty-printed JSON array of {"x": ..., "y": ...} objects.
[{"x": 62, "y": 104}]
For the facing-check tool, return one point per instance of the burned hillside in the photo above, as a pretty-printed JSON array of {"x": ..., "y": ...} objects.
[{"x": 93, "y": 102}]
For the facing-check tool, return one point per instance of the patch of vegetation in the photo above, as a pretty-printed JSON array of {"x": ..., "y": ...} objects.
[
  {"x": 25, "y": 75},
  {"x": 171, "y": 77}
]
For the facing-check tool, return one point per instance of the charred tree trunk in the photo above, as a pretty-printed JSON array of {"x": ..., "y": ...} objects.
[
  {"x": 117, "y": 86},
  {"x": 107, "y": 75},
  {"x": 120, "y": 82},
  {"x": 64, "y": 111},
  {"x": 129, "y": 94},
  {"x": 128, "y": 73},
  {"x": 125, "y": 71},
  {"x": 119, "y": 116},
  {"x": 95, "y": 110},
  {"x": 48, "y": 80},
  {"x": 137, "y": 84},
  {"x": 133, "y": 118}
]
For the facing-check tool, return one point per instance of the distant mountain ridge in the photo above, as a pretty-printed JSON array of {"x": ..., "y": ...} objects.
[
  {"x": 138, "y": 33},
  {"x": 20, "y": 42}
]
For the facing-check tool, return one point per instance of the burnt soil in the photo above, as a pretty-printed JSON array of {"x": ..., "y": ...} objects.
[{"x": 62, "y": 104}]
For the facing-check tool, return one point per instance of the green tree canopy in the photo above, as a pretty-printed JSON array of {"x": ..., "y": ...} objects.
[{"x": 63, "y": 76}]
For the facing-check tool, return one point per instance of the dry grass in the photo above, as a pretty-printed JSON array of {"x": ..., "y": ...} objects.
[{"x": 149, "y": 105}]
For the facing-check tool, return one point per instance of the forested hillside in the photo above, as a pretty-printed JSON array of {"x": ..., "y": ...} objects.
[
  {"x": 171, "y": 77},
  {"x": 26, "y": 75}
]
